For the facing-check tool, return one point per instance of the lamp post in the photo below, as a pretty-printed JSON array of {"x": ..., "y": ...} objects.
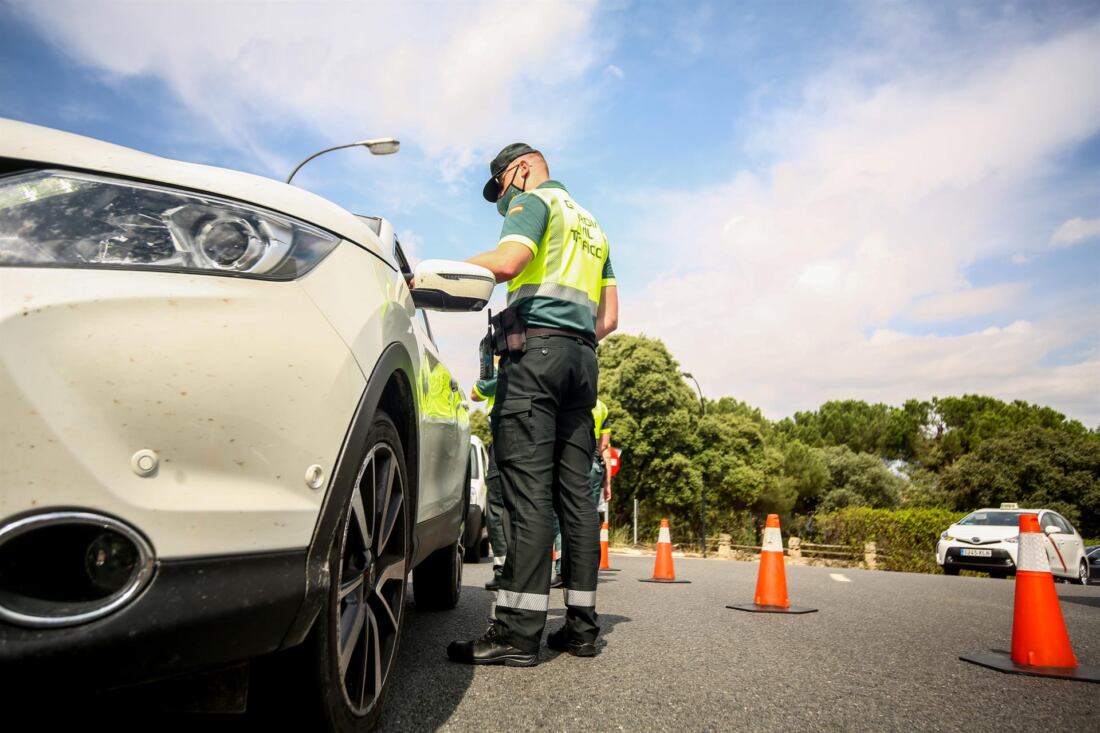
[
  {"x": 703, "y": 493},
  {"x": 377, "y": 146}
]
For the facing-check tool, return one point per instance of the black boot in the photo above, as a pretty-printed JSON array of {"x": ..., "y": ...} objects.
[
  {"x": 490, "y": 649},
  {"x": 494, "y": 582},
  {"x": 559, "y": 641}
]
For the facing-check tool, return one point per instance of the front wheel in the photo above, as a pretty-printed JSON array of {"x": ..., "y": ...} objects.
[
  {"x": 1083, "y": 573},
  {"x": 356, "y": 637}
]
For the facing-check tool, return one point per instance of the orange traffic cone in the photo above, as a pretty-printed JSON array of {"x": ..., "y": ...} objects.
[
  {"x": 662, "y": 569},
  {"x": 605, "y": 563},
  {"x": 1040, "y": 644},
  {"x": 771, "y": 583}
]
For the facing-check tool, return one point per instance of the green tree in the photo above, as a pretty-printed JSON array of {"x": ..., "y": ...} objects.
[
  {"x": 1035, "y": 467},
  {"x": 861, "y": 479},
  {"x": 654, "y": 416},
  {"x": 479, "y": 426}
]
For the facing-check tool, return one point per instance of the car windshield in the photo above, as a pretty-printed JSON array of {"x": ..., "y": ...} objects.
[{"x": 992, "y": 519}]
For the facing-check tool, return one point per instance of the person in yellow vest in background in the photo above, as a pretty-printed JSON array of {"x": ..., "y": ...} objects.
[
  {"x": 601, "y": 461},
  {"x": 562, "y": 300},
  {"x": 485, "y": 390}
]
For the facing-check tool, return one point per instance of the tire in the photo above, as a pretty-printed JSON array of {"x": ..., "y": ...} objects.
[
  {"x": 1082, "y": 573},
  {"x": 437, "y": 582},
  {"x": 476, "y": 536},
  {"x": 950, "y": 570},
  {"x": 998, "y": 575},
  {"x": 354, "y": 642}
]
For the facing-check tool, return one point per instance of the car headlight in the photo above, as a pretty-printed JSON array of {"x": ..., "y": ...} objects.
[
  {"x": 59, "y": 218},
  {"x": 1013, "y": 540},
  {"x": 945, "y": 536}
]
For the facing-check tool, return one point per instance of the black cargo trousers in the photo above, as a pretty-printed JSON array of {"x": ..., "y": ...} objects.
[{"x": 543, "y": 442}]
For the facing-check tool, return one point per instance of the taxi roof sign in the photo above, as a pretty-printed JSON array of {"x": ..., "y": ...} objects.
[{"x": 1010, "y": 505}]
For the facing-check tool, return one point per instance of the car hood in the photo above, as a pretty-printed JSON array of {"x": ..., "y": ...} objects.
[
  {"x": 968, "y": 532},
  {"x": 43, "y": 146}
]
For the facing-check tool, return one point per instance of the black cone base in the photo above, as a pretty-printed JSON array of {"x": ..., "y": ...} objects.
[
  {"x": 658, "y": 580},
  {"x": 754, "y": 608},
  {"x": 1004, "y": 663}
]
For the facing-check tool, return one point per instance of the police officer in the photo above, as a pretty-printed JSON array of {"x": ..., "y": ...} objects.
[{"x": 562, "y": 300}]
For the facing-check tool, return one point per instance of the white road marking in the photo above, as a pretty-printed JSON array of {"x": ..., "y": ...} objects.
[{"x": 840, "y": 578}]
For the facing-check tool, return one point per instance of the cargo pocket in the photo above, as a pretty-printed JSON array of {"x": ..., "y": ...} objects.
[{"x": 513, "y": 430}]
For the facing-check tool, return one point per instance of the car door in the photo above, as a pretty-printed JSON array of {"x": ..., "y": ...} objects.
[
  {"x": 1053, "y": 530},
  {"x": 440, "y": 458},
  {"x": 1069, "y": 544}
]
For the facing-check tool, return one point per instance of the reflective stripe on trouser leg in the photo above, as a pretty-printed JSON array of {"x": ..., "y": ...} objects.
[
  {"x": 523, "y": 601},
  {"x": 584, "y": 598}
]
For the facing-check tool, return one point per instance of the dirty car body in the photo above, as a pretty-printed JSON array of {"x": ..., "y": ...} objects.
[{"x": 219, "y": 404}]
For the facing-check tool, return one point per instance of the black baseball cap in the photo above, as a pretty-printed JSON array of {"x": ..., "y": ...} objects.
[{"x": 498, "y": 166}]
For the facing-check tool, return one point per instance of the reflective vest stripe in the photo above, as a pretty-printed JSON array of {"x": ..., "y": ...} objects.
[{"x": 553, "y": 290}]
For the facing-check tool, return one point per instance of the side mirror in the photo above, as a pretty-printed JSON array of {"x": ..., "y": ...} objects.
[
  {"x": 1051, "y": 529},
  {"x": 447, "y": 285}
]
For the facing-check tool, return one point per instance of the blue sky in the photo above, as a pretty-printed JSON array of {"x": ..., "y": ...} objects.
[{"x": 807, "y": 201}]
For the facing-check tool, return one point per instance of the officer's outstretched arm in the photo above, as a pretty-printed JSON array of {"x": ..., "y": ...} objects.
[
  {"x": 506, "y": 261},
  {"x": 607, "y": 317}
]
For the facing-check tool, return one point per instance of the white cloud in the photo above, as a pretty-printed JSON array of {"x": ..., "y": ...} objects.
[
  {"x": 880, "y": 197},
  {"x": 1075, "y": 231},
  {"x": 967, "y": 303},
  {"x": 440, "y": 76},
  {"x": 613, "y": 70}
]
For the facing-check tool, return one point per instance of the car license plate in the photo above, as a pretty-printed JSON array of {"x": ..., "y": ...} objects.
[{"x": 976, "y": 553}]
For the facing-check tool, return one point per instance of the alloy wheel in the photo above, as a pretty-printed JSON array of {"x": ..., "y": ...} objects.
[{"x": 373, "y": 579}]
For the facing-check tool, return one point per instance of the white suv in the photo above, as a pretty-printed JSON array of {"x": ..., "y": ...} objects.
[
  {"x": 986, "y": 541},
  {"x": 226, "y": 428}
]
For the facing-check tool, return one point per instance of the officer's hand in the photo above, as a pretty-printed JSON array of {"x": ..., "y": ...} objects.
[{"x": 607, "y": 493}]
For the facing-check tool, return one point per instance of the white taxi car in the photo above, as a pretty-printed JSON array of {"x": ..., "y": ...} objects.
[
  {"x": 226, "y": 429},
  {"x": 986, "y": 541}
]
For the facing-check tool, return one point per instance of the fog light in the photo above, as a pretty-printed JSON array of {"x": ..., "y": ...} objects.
[{"x": 110, "y": 561}]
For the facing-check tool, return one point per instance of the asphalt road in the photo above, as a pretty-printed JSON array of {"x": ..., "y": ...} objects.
[{"x": 880, "y": 654}]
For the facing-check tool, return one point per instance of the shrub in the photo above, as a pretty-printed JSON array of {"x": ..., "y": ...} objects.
[{"x": 905, "y": 539}]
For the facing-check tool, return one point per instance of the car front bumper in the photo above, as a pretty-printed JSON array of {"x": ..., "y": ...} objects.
[
  {"x": 195, "y": 614},
  {"x": 1000, "y": 560}
]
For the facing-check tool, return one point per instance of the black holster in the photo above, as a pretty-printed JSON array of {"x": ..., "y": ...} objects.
[{"x": 509, "y": 332}]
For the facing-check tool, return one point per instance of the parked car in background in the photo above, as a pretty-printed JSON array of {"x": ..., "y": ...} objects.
[
  {"x": 1092, "y": 552},
  {"x": 227, "y": 429},
  {"x": 986, "y": 541},
  {"x": 477, "y": 527}
]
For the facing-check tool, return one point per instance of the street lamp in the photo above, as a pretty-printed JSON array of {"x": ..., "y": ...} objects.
[
  {"x": 377, "y": 146},
  {"x": 703, "y": 493}
]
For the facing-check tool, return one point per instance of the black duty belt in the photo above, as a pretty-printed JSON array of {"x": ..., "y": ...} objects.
[{"x": 535, "y": 331}]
